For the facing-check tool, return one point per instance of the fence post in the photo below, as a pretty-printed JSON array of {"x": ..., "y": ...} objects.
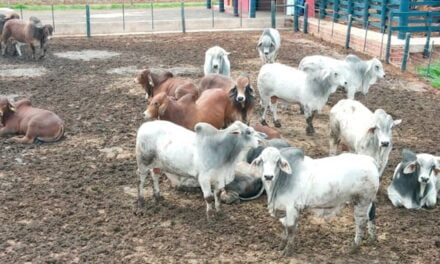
[
  {"x": 365, "y": 37},
  {"x": 295, "y": 16},
  {"x": 322, "y": 8},
  {"x": 273, "y": 11},
  {"x": 88, "y": 21},
  {"x": 253, "y": 8},
  {"x": 235, "y": 4},
  {"x": 430, "y": 59},
  {"x": 152, "y": 15},
  {"x": 388, "y": 50},
  {"x": 383, "y": 15},
  {"x": 182, "y": 13},
  {"x": 403, "y": 19},
  {"x": 53, "y": 18},
  {"x": 306, "y": 18},
  {"x": 366, "y": 14},
  {"x": 350, "y": 7},
  {"x": 405, "y": 52},
  {"x": 221, "y": 6},
  {"x": 21, "y": 12},
  {"x": 123, "y": 15},
  {"x": 212, "y": 12},
  {"x": 347, "y": 37},
  {"x": 335, "y": 10},
  {"x": 208, "y": 4},
  {"x": 428, "y": 36}
]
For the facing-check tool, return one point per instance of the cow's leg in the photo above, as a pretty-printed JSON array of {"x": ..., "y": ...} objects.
[
  {"x": 265, "y": 104},
  {"x": 217, "y": 199},
  {"x": 33, "y": 50},
  {"x": 360, "y": 217},
  {"x": 301, "y": 109},
  {"x": 3, "y": 47},
  {"x": 156, "y": 191},
  {"x": 274, "y": 108},
  {"x": 334, "y": 139},
  {"x": 17, "y": 48},
  {"x": 310, "y": 130},
  {"x": 244, "y": 116},
  {"x": 21, "y": 140},
  {"x": 372, "y": 223},
  {"x": 290, "y": 225},
  {"x": 431, "y": 198},
  {"x": 142, "y": 171},
  {"x": 205, "y": 185}
]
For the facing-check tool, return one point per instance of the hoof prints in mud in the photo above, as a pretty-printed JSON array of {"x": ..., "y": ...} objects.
[
  {"x": 87, "y": 55},
  {"x": 16, "y": 71}
]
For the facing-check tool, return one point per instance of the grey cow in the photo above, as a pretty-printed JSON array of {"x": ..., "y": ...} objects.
[
  {"x": 414, "y": 181},
  {"x": 268, "y": 45}
]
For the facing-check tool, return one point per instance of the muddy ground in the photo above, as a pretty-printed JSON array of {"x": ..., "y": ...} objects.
[{"x": 73, "y": 201}]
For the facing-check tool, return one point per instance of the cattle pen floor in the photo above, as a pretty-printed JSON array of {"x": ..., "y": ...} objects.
[{"x": 73, "y": 201}]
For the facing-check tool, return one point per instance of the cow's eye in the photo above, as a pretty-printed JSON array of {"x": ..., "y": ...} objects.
[
  {"x": 377, "y": 67},
  {"x": 336, "y": 74},
  {"x": 248, "y": 132}
]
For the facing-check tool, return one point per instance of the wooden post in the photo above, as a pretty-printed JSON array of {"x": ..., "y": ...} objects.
[
  {"x": 366, "y": 13},
  {"x": 208, "y": 4},
  {"x": 322, "y": 8},
  {"x": 253, "y": 8},
  {"x": 88, "y": 21},
  {"x": 235, "y": 4},
  {"x": 273, "y": 11},
  {"x": 295, "y": 16},
  {"x": 182, "y": 14},
  {"x": 428, "y": 36},
  {"x": 405, "y": 52},
  {"x": 390, "y": 31},
  {"x": 306, "y": 18},
  {"x": 335, "y": 10},
  {"x": 403, "y": 19},
  {"x": 383, "y": 15},
  {"x": 347, "y": 36},
  {"x": 221, "y": 6}
]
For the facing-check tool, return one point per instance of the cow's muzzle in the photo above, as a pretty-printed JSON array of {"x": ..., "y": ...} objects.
[
  {"x": 215, "y": 66},
  {"x": 268, "y": 177},
  {"x": 240, "y": 98},
  {"x": 384, "y": 144},
  {"x": 424, "y": 179},
  {"x": 147, "y": 115}
]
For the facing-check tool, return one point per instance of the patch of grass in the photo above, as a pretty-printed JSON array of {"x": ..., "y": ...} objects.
[
  {"x": 433, "y": 75},
  {"x": 99, "y": 6}
]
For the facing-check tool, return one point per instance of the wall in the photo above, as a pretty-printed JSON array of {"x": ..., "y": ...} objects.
[{"x": 46, "y": 2}]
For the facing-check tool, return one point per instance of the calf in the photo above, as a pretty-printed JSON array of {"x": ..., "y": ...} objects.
[
  {"x": 268, "y": 45},
  {"x": 361, "y": 73},
  {"x": 36, "y": 124},
  {"x": 212, "y": 107},
  {"x": 414, "y": 181},
  {"x": 241, "y": 93},
  {"x": 207, "y": 157},
  {"x": 154, "y": 83},
  {"x": 311, "y": 90},
  {"x": 26, "y": 33},
  {"x": 361, "y": 131},
  {"x": 294, "y": 182},
  {"x": 216, "y": 61},
  {"x": 3, "y": 19}
]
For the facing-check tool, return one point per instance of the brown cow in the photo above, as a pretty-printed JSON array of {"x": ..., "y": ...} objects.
[
  {"x": 31, "y": 32},
  {"x": 3, "y": 19},
  {"x": 270, "y": 132},
  {"x": 240, "y": 92},
  {"x": 213, "y": 107},
  {"x": 23, "y": 119},
  {"x": 154, "y": 83}
]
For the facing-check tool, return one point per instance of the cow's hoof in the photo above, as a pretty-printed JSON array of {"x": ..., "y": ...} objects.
[
  {"x": 282, "y": 245},
  {"x": 263, "y": 122},
  {"x": 157, "y": 197},
  {"x": 141, "y": 203},
  {"x": 354, "y": 248},
  {"x": 210, "y": 215},
  {"x": 310, "y": 131},
  {"x": 372, "y": 240},
  {"x": 288, "y": 250},
  {"x": 277, "y": 123}
]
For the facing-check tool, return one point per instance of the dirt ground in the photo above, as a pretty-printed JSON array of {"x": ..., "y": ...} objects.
[{"x": 73, "y": 201}]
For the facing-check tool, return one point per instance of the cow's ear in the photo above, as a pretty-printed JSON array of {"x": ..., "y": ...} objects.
[
  {"x": 397, "y": 122},
  {"x": 326, "y": 73},
  {"x": 285, "y": 166},
  {"x": 372, "y": 130},
  {"x": 227, "y": 53},
  {"x": 11, "y": 107},
  {"x": 150, "y": 80},
  {"x": 162, "y": 109},
  {"x": 410, "y": 168},
  {"x": 259, "y": 44},
  {"x": 257, "y": 162}
]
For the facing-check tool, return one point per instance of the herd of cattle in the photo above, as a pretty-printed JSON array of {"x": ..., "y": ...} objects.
[{"x": 198, "y": 135}]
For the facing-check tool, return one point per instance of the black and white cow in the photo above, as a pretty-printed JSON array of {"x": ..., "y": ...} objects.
[{"x": 415, "y": 181}]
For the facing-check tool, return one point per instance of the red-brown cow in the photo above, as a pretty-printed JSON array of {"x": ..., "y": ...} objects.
[
  {"x": 270, "y": 132},
  {"x": 213, "y": 107},
  {"x": 23, "y": 119},
  {"x": 154, "y": 83},
  {"x": 240, "y": 92}
]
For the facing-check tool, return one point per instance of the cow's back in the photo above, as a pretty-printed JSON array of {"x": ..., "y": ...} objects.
[
  {"x": 211, "y": 81},
  {"x": 16, "y": 29}
]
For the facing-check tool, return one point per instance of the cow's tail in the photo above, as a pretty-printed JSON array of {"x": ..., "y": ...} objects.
[
  {"x": 255, "y": 196},
  {"x": 53, "y": 139}
]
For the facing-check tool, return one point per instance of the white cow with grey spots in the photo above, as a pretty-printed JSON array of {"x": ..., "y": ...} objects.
[
  {"x": 362, "y": 131},
  {"x": 206, "y": 158},
  {"x": 268, "y": 45},
  {"x": 295, "y": 182},
  {"x": 310, "y": 89},
  {"x": 414, "y": 181},
  {"x": 361, "y": 73},
  {"x": 216, "y": 61}
]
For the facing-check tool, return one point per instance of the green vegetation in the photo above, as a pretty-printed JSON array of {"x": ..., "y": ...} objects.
[
  {"x": 100, "y": 6},
  {"x": 433, "y": 75}
]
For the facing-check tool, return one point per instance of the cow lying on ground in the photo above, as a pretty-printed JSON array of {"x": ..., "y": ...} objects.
[
  {"x": 241, "y": 93},
  {"x": 31, "y": 32},
  {"x": 216, "y": 61},
  {"x": 414, "y": 181},
  {"x": 361, "y": 73},
  {"x": 154, "y": 83},
  {"x": 23, "y": 119},
  {"x": 363, "y": 132},
  {"x": 213, "y": 107},
  {"x": 206, "y": 158},
  {"x": 294, "y": 182},
  {"x": 268, "y": 45},
  {"x": 309, "y": 89}
]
